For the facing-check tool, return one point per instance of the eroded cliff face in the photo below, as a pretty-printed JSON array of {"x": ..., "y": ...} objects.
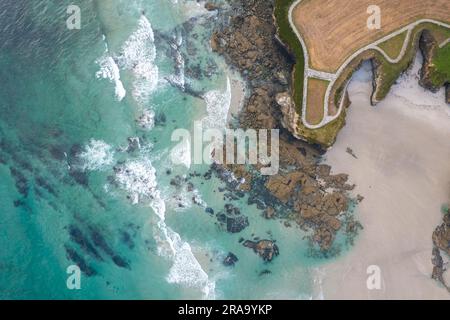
[{"x": 304, "y": 192}]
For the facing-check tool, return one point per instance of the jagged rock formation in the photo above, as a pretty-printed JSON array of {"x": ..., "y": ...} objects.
[
  {"x": 266, "y": 249},
  {"x": 441, "y": 250},
  {"x": 304, "y": 190}
]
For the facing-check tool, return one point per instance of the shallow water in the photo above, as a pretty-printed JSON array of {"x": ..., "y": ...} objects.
[{"x": 69, "y": 101}]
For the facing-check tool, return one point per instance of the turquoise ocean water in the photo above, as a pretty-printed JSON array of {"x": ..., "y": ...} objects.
[{"x": 72, "y": 191}]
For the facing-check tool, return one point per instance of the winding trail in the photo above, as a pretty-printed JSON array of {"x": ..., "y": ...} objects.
[{"x": 332, "y": 77}]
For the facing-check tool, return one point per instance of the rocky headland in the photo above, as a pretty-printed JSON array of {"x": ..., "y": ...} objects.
[
  {"x": 435, "y": 74},
  {"x": 305, "y": 192}
]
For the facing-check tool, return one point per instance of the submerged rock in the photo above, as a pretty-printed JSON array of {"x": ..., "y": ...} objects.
[
  {"x": 230, "y": 260},
  {"x": 73, "y": 256},
  {"x": 77, "y": 236},
  {"x": 266, "y": 249},
  {"x": 237, "y": 224}
]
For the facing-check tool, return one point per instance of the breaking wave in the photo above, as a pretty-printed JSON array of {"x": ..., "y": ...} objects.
[
  {"x": 138, "y": 56},
  {"x": 109, "y": 70},
  {"x": 138, "y": 179},
  {"x": 97, "y": 155}
]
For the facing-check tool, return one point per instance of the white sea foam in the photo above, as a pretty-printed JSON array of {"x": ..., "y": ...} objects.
[
  {"x": 192, "y": 8},
  {"x": 109, "y": 70},
  {"x": 138, "y": 178},
  {"x": 138, "y": 56},
  {"x": 147, "y": 119},
  {"x": 217, "y": 106},
  {"x": 97, "y": 155},
  {"x": 186, "y": 270},
  {"x": 183, "y": 200}
]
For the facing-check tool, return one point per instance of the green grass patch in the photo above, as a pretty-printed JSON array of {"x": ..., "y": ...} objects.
[
  {"x": 288, "y": 36},
  {"x": 326, "y": 135},
  {"x": 388, "y": 73},
  {"x": 440, "y": 70},
  {"x": 439, "y": 33},
  {"x": 394, "y": 46}
]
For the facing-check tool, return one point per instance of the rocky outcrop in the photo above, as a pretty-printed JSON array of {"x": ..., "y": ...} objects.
[
  {"x": 230, "y": 260},
  {"x": 266, "y": 249},
  {"x": 304, "y": 191},
  {"x": 282, "y": 186},
  {"x": 447, "y": 93},
  {"x": 441, "y": 250},
  {"x": 428, "y": 46},
  {"x": 232, "y": 220},
  {"x": 287, "y": 107}
]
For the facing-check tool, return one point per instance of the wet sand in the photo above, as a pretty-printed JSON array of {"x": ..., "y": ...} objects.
[{"x": 403, "y": 170}]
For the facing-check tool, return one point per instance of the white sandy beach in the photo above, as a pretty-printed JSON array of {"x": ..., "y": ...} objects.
[{"x": 403, "y": 171}]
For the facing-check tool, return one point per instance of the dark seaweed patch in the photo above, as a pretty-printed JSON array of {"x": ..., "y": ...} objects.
[
  {"x": 77, "y": 236},
  {"x": 72, "y": 255},
  {"x": 41, "y": 182},
  {"x": 21, "y": 181}
]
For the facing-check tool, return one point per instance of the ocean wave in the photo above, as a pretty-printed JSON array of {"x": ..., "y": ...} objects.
[
  {"x": 138, "y": 179},
  {"x": 186, "y": 270},
  {"x": 138, "y": 55},
  {"x": 97, "y": 155},
  {"x": 109, "y": 70}
]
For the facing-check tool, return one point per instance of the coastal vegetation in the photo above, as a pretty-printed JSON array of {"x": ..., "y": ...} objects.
[
  {"x": 435, "y": 74},
  {"x": 326, "y": 135},
  {"x": 393, "y": 46},
  {"x": 439, "y": 68},
  {"x": 289, "y": 38}
]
